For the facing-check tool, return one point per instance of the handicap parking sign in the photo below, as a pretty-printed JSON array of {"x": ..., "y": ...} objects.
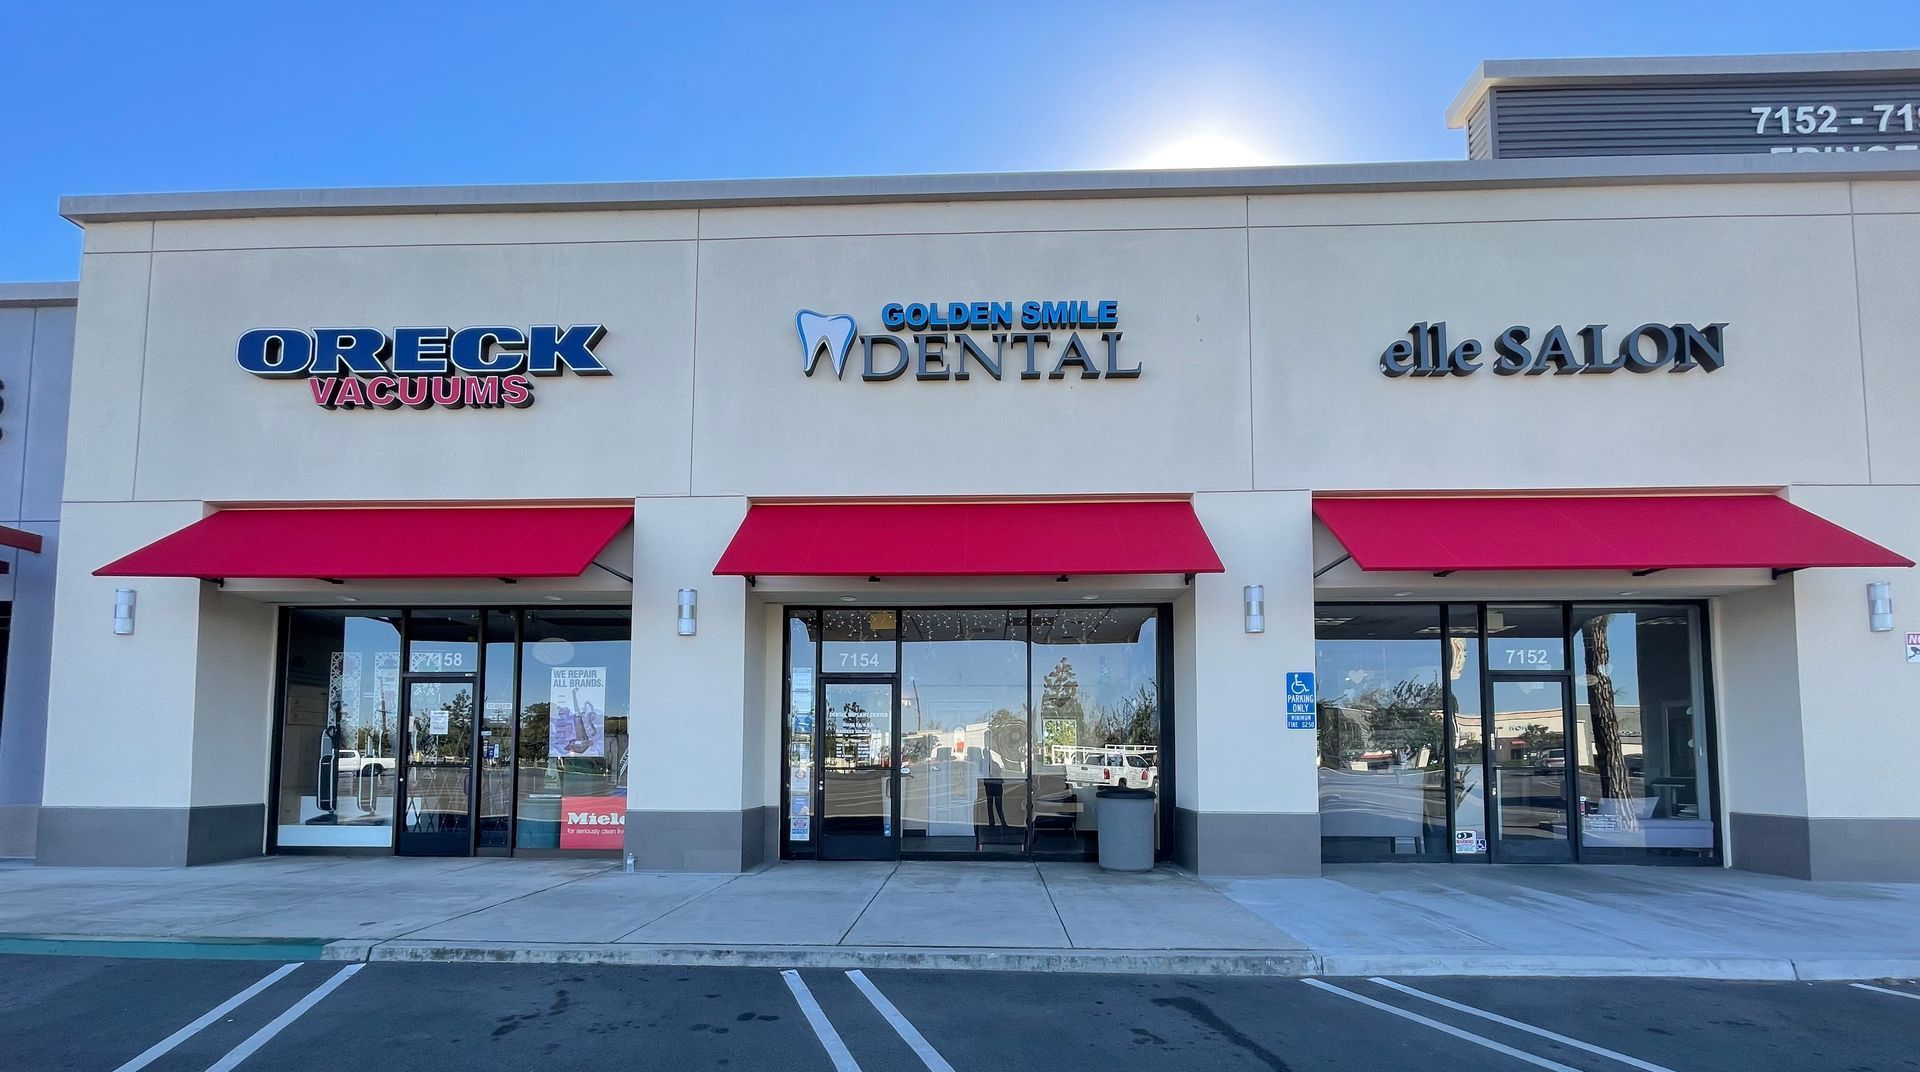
[{"x": 1301, "y": 706}]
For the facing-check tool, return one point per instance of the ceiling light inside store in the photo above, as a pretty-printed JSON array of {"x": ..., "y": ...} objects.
[
  {"x": 554, "y": 599},
  {"x": 1090, "y": 597},
  {"x": 847, "y": 599},
  {"x": 349, "y": 599}
]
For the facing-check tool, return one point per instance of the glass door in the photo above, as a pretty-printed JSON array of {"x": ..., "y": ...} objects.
[
  {"x": 436, "y": 771},
  {"x": 1531, "y": 776},
  {"x": 858, "y": 777}
]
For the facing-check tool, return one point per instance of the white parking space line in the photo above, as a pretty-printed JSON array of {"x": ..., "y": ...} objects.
[
  {"x": 1636, "y": 1062},
  {"x": 1449, "y": 1029},
  {"x": 822, "y": 1027},
  {"x": 901, "y": 1025},
  {"x": 157, "y": 1049},
  {"x": 1884, "y": 990},
  {"x": 260, "y": 1038}
]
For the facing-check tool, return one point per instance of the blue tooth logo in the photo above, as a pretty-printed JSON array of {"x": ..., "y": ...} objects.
[{"x": 821, "y": 331}]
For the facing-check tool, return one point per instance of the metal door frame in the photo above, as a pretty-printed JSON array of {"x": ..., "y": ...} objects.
[
  {"x": 822, "y": 682},
  {"x": 403, "y": 764},
  {"x": 1569, "y": 744}
]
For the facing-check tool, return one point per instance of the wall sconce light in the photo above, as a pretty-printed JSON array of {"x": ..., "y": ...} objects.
[
  {"x": 1256, "y": 595},
  {"x": 689, "y": 602},
  {"x": 123, "y": 611},
  {"x": 1880, "y": 607}
]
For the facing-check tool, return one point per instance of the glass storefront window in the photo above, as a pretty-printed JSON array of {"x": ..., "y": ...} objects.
[
  {"x": 1605, "y": 759},
  {"x": 1381, "y": 728},
  {"x": 1640, "y": 725},
  {"x": 573, "y": 755},
  {"x": 803, "y": 630},
  {"x": 858, "y": 641},
  {"x": 1095, "y": 683},
  {"x": 963, "y": 730},
  {"x": 1526, "y": 639},
  {"x": 525, "y": 752},
  {"x": 1469, "y": 739},
  {"x": 340, "y": 730},
  {"x": 496, "y": 734},
  {"x": 443, "y": 642}
]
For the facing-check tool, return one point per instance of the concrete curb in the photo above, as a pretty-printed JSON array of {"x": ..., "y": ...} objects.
[
  {"x": 1231, "y": 962},
  {"x": 1219, "y": 962},
  {"x": 1751, "y": 969},
  {"x": 152, "y": 947},
  {"x": 1831, "y": 969}
]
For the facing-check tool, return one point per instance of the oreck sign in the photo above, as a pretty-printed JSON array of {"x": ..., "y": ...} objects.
[
  {"x": 951, "y": 341},
  {"x": 420, "y": 368}
]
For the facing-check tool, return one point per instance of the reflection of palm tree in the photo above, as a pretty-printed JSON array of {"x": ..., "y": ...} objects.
[{"x": 1609, "y": 756}]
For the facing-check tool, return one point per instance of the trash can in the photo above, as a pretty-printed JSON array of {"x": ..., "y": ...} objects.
[{"x": 1126, "y": 828}]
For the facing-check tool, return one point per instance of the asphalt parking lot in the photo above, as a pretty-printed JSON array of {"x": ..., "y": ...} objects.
[{"x": 118, "y": 1015}]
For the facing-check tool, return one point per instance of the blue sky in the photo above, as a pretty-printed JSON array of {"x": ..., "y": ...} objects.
[{"x": 115, "y": 98}]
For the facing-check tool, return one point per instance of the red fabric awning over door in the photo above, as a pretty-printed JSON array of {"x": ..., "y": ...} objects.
[
  {"x": 382, "y": 543},
  {"x": 983, "y": 539},
  {"x": 1564, "y": 532}
]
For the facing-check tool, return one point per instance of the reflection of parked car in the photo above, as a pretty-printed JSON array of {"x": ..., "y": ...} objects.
[
  {"x": 349, "y": 761},
  {"x": 1112, "y": 764}
]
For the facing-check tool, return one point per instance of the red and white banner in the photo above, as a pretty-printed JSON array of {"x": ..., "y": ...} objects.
[{"x": 593, "y": 823}]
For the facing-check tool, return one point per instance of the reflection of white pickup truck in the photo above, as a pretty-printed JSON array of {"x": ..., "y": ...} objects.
[
  {"x": 1110, "y": 765},
  {"x": 348, "y": 761}
]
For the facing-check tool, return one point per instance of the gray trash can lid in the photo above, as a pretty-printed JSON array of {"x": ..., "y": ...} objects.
[{"x": 1124, "y": 791}]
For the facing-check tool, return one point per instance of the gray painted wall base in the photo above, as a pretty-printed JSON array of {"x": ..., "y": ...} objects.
[
  {"x": 727, "y": 841},
  {"x": 1247, "y": 843},
  {"x": 1830, "y": 849},
  {"x": 150, "y": 837},
  {"x": 19, "y": 824}
]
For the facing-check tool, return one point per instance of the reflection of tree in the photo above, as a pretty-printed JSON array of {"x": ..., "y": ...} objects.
[
  {"x": 1609, "y": 756},
  {"x": 533, "y": 733},
  {"x": 1540, "y": 739},
  {"x": 1060, "y": 693},
  {"x": 1134, "y": 720},
  {"x": 1402, "y": 718},
  {"x": 1405, "y": 718}
]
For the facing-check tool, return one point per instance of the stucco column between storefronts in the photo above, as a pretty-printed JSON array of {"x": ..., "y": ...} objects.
[
  {"x": 1247, "y": 797},
  {"x": 694, "y": 792}
]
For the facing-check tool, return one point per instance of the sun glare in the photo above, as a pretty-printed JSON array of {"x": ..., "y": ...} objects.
[{"x": 1207, "y": 151}]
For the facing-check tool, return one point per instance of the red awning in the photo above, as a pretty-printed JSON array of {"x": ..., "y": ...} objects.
[
  {"x": 1003, "y": 539},
  {"x": 20, "y": 538},
  {"x": 1624, "y": 532},
  {"x": 378, "y": 543}
]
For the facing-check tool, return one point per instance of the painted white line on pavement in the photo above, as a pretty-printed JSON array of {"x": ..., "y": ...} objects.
[
  {"x": 1649, "y": 1066},
  {"x": 1884, "y": 990},
  {"x": 261, "y": 1037},
  {"x": 213, "y": 1014},
  {"x": 1449, "y": 1029},
  {"x": 822, "y": 1027},
  {"x": 901, "y": 1025}
]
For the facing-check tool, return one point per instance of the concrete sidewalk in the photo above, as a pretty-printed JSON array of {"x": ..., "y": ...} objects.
[{"x": 1402, "y": 920}]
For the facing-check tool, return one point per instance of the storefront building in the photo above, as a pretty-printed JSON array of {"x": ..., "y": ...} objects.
[
  {"x": 36, "y": 355},
  {"x": 1497, "y": 509}
]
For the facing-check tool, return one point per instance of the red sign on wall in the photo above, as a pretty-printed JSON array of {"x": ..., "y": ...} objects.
[{"x": 593, "y": 823}]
